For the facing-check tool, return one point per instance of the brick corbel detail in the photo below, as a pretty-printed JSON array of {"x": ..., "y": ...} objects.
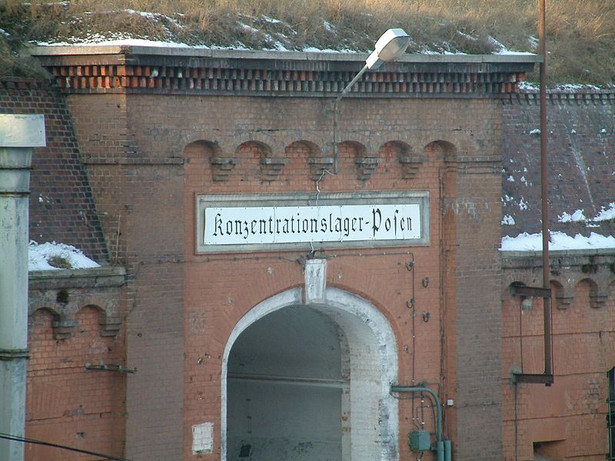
[
  {"x": 110, "y": 325},
  {"x": 366, "y": 166},
  {"x": 221, "y": 167},
  {"x": 410, "y": 165},
  {"x": 63, "y": 327},
  {"x": 319, "y": 165},
  {"x": 271, "y": 167},
  {"x": 563, "y": 301},
  {"x": 598, "y": 300}
]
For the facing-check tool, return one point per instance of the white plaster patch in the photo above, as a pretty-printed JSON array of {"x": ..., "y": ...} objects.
[
  {"x": 203, "y": 438},
  {"x": 315, "y": 281}
]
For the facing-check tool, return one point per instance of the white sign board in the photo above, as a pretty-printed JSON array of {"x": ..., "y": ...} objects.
[{"x": 225, "y": 222}]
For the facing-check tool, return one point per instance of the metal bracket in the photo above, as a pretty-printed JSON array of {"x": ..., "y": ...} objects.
[
  {"x": 532, "y": 378},
  {"x": 118, "y": 368},
  {"x": 534, "y": 292}
]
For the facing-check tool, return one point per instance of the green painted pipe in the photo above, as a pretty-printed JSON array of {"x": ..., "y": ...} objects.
[
  {"x": 435, "y": 397},
  {"x": 448, "y": 450},
  {"x": 443, "y": 447}
]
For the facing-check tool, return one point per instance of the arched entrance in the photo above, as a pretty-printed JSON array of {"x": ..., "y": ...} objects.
[{"x": 310, "y": 381}]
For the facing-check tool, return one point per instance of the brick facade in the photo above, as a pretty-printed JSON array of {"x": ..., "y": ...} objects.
[{"x": 155, "y": 131}]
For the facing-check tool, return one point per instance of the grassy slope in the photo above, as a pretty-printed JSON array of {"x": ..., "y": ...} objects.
[{"x": 581, "y": 33}]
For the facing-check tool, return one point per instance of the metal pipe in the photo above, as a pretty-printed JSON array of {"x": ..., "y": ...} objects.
[
  {"x": 438, "y": 406},
  {"x": 544, "y": 184},
  {"x": 440, "y": 451},
  {"x": 448, "y": 450},
  {"x": 336, "y": 116}
]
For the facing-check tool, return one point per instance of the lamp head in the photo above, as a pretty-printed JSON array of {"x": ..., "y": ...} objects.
[{"x": 389, "y": 47}]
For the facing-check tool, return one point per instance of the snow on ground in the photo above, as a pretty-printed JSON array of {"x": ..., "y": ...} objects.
[
  {"x": 558, "y": 241},
  {"x": 60, "y": 255}
]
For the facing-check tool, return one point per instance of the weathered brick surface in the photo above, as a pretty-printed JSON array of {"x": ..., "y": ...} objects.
[
  {"x": 142, "y": 199},
  {"x": 567, "y": 419},
  {"x": 68, "y": 404},
  {"x": 148, "y": 152}
]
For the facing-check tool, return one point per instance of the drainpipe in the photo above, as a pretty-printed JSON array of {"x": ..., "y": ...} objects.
[
  {"x": 443, "y": 448},
  {"x": 18, "y": 135},
  {"x": 544, "y": 185}
]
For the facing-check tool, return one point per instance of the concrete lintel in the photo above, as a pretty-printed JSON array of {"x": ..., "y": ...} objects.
[
  {"x": 22, "y": 130},
  {"x": 97, "y": 277}
]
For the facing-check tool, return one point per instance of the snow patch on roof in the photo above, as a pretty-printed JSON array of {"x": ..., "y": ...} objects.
[
  {"x": 55, "y": 256},
  {"x": 558, "y": 241}
]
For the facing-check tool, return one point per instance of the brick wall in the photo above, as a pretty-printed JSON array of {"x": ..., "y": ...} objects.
[
  {"x": 148, "y": 152},
  {"x": 567, "y": 419},
  {"x": 67, "y": 404},
  {"x": 140, "y": 194},
  {"x": 473, "y": 204},
  {"x": 62, "y": 208}
]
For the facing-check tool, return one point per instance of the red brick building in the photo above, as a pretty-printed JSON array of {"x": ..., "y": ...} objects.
[{"x": 264, "y": 296}]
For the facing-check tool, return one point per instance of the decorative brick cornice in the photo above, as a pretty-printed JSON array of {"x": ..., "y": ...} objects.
[
  {"x": 580, "y": 97},
  {"x": 568, "y": 269},
  {"x": 24, "y": 83},
  {"x": 65, "y": 292},
  {"x": 193, "y": 71}
]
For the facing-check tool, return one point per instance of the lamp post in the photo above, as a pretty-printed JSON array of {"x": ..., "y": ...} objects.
[{"x": 389, "y": 47}]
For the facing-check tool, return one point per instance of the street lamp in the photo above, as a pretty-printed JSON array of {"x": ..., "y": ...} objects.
[{"x": 389, "y": 47}]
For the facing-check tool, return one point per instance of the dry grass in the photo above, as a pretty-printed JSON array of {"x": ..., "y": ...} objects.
[{"x": 581, "y": 33}]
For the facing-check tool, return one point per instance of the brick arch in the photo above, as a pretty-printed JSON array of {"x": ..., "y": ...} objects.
[
  {"x": 256, "y": 148},
  {"x": 35, "y": 323},
  {"x": 440, "y": 150},
  {"x": 64, "y": 320},
  {"x": 47, "y": 309},
  {"x": 203, "y": 155},
  {"x": 392, "y": 150},
  {"x": 596, "y": 296},
  {"x": 201, "y": 148},
  {"x": 366, "y": 329},
  {"x": 401, "y": 153},
  {"x": 562, "y": 294},
  {"x": 248, "y": 155},
  {"x": 354, "y": 154},
  {"x": 308, "y": 148},
  {"x": 354, "y": 147},
  {"x": 306, "y": 158}
]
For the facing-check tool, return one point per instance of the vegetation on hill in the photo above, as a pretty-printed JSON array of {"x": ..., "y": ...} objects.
[{"x": 581, "y": 33}]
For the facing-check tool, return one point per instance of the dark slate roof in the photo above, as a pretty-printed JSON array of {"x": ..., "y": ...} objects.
[
  {"x": 581, "y": 149},
  {"x": 61, "y": 203}
]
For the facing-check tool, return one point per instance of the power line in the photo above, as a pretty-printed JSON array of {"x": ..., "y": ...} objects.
[{"x": 61, "y": 447}]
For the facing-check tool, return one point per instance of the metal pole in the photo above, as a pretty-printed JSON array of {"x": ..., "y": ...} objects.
[
  {"x": 18, "y": 134},
  {"x": 544, "y": 183},
  {"x": 336, "y": 117}
]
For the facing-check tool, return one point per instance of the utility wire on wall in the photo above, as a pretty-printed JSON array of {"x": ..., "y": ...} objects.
[{"x": 16, "y": 438}]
